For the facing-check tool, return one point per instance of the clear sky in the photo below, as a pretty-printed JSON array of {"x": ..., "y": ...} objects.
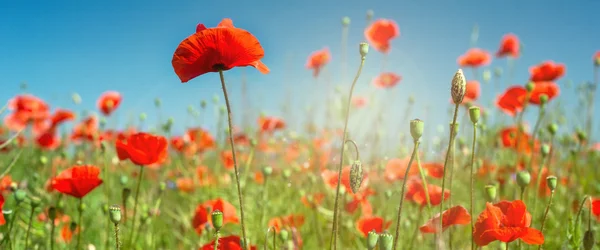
[{"x": 88, "y": 47}]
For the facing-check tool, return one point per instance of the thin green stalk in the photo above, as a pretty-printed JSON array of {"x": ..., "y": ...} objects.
[
  {"x": 29, "y": 227},
  {"x": 265, "y": 200},
  {"x": 450, "y": 143},
  {"x": 267, "y": 238},
  {"x": 473, "y": 184},
  {"x": 537, "y": 186},
  {"x": 52, "y": 229},
  {"x": 399, "y": 215},
  {"x": 137, "y": 192},
  {"x": 425, "y": 186},
  {"x": 117, "y": 241},
  {"x": 217, "y": 237},
  {"x": 333, "y": 242},
  {"x": 546, "y": 213},
  {"x": 80, "y": 222},
  {"x": 590, "y": 113},
  {"x": 235, "y": 167},
  {"x": 533, "y": 136},
  {"x": 10, "y": 227}
]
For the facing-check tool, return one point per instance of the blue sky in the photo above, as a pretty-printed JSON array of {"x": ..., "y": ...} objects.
[{"x": 88, "y": 47}]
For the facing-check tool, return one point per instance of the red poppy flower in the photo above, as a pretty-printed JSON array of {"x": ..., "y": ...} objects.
[
  {"x": 396, "y": 168},
  {"x": 550, "y": 89},
  {"x": 380, "y": 33},
  {"x": 506, "y": 221},
  {"x": 201, "y": 138},
  {"x": 361, "y": 200},
  {"x": 270, "y": 124},
  {"x": 143, "y": 149},
  {"x": 317, "y": 60},
  {"x": 597, "y": 59},
  {"x": 77, "y": 181},
  {"x": 312, "y": 200},
  {"x": 108, "y": 102},
  {"x": 434, "y": 169},
  {"x": 472, "y": 91},
  {"x": 386, "y": 80},
  {"x": 359, "y": 101},
  {"x": 595, "y": 208},
  {"x": 415, "y": 192},
  {"x": 227, "y": 159},
  {"x": 512, "y": 101},
  {"x": 60, "y": 116},
  {"x": 48, "y": 140},
  {"x": 547, "y": 71},
  {"x": 26, "y": 110},
  {"x": 456, "y": 215},
  {"x": 509, "y": 46},
  {"x": 292, "y": 220},
  {"x": 86, "y": 130},
  {"x": 203, "y": 213},
  {"x": 217, "y": 49},
  {"x": 509, "y": 139},
  {"x": 474, "y": 58},
  {"x": 2, "y": 220},
  {"x": 231, "y": 242},
  {"x": 368, "y": 224},
  {"x": 331, "y": 179}
]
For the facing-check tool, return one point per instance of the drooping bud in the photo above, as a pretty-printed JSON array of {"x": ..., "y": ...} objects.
[
  {"x": 529, "y": 86},
  {"x": 363, "y": 48},
  {"x": 416, "y": 129},
  {"x": 551, "y": 182},
  {"x": 459, "y": 86},
  {"x": 588, "y": 240},
  {"x": 523, "y": 178},
  {"x": 345, "y": 21},
  {"x": 386, "y": 241},
  {"x": 115, "y": 214},
  {"x": 474, "y": 114},
  {"x": 217, "y": 219},
  {"x": 372, "y": 238},
  {"x": 356, "y": 176},
  {"x": 490, "y": 192}
]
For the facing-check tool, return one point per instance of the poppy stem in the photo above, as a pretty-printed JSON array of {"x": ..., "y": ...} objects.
[
  {"x": 333, "y": 241},
  {"x": 29, "y": 226},
  {"x": 217, "y": 237},
  {"x": 425, "y": 185},
  {"x": 506, "y": 245},
  {"x": 450, "y": 143},
  {"x": 473, "y": 184},
  {"x": 137, "y": 192},
  {"x": 533, "y": 135},
  {"x": 580, "y": 210},
  {"x": 538, "y": 183},
  {"x": 235, "y": 167},
  {"x": 52, "y": 229},
  {"x": 355, "y": 148},
  {"x": 590, "y": 215},
  {"x": 265, "y": 199},
  {"x": 590, "y": 113},
  {"x": 267, "y": 238},
  {"x": 399, "y": 216},
  {"x": 79, "y": 222},
  {"x": 546, "y": 215}
]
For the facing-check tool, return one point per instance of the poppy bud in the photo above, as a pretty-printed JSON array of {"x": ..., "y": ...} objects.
[
  {"x": 543, "y": 99},
  {"x": 551, "y": 182},
  {"x": 370, "y": 14},
  {"x": 529, "y": 86},
  {"x": 490, "y": 192},
  {"x": 487, "y": 75},
  {"x": 20, "y": 196},
  {"x": 411, "y": 99},
  {"x": 14, "y": 186},
  {"x": 283, "y": 234},
  {"x": 523, "y": 178},
  {"x": 363, "y": 49},
  {"x": 115, "y": 214},
  {"x": 498, "y": 72},
  {"x": 52, "y": 213},
  {"x": 125, "y": 194},
  {"x": 267, "y": 170},
  {"x": 581, "y": 135},
  {"x": 474, "y": 114},
  {"x": 223, "y": 110},
  {"x": 545, "y": 149},
  {"x": 76, "y": 98},
  {"x": 73, "y": 226},
  {"x": 356, "y": 176},
  {"x": 588, "y": 240},
  {"x": 345, "y": 21},
  {"x": 287, "y": 173},
  {"x": 43, "y": 160},
  {"x": 143, "y": 116},
  {"x": 597, "y": 61},
  {"x": 203, "y": 104},
  {"x": 82, "y": 207},
  {"x": 386, "y": 241},
  {"x": 217, "y": 219},
  {"x": 416, "y": 129},
  {"x": 215, "y": 99},
  {"x": 162, "y": 186},
  {"x": 35, "y": 202},
  {"x": 372, "y": 238},
  {"x": 552, "y": 128},
  {"x": 123, "y": 180},
  {"x": 7, "y": 214},
  {"x": 458, "y": 87}
]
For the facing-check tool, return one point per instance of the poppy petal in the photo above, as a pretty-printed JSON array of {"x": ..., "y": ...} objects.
[{"x": 533, "y": 237}]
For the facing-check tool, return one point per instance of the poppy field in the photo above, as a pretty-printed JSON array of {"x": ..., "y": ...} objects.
[{"x": 502, "y": 173}]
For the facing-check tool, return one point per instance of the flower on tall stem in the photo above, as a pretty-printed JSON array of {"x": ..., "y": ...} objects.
[{"x": 506, "y": 221}]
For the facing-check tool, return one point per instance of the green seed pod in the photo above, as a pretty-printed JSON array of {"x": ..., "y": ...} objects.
[
  {"x": 416, "y": 129},
  {"x": 370, "y": 15},
  {"x": 143, "y": 116},
  {"x": 43, "y": 160},
  {"x": 545, "y": 149},
  {"x": 588, "y": 240},
  {"x": 162, "y": 186},
  {"x": 215, "y": 99},
  {"x": 372, "y": 239},
  {"x": 7, "y": 214},
  {"x": 553, "y": 128},
  {"x": 356, "y": 176},
  {"x": 115, "y": 214},
  {"x": 345, "y": 21},
  {"x": 20, "y": 196},
  {"x": 203, "y": 104},
  {"x": 105, "y": 209},
  {"x": 363, "y": 49},
  {"x": 543, "y": 99},
  {"x": 487, "y": 75},
  {"x": 287, "y": 173},
  {"x": 490, "y": 192},
  {"x": 581, "y": 135},
  {"x": 123, "y": 180},
  {"x": 523, "y": 178},
  {"x": 411, "y": 99},
  {"x": 529, "y": 86},
  {"x": 52, "y": 213},
  {"x": 157, "y": 102},
  {"x": 82, "y": 207},
  {"x": 551, "y": 182},
  {"x": 386, "y": 241},
  {"x": 76, "y": 98},
  {"x": 388, "y": 193},
  {"x": 497, "y": 72},
  {"x": 284, "y": 234},
  {"x": 474, "y": 114},
  {"x": 35, "y": 202},
  {"x": 267, "y": 170},
  {"x": 217, "y": 219}
]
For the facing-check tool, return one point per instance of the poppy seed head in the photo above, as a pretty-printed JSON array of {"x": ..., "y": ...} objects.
[{"x": 459, "y": 87}]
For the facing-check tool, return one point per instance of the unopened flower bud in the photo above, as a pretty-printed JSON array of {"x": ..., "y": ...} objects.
[
  {"x": 551, "y": 182},
  {"x": 588, "y": 240},
  {"x": 474, "y": 114},
  {"x": 363, "y": 49},
  {"x": 20, "y": 196},
  {"x": 545, "y": 149},
  {"x": 162, "y": 186},
  {"x": 157, "y": 102},
  {"x": 370, "y": 15},
  {"x": 523, "y": 179},
  {"x": 386, "y": 241},
  {"x": 553, "y": 128},
  {"x": 490, "y": 192},
  {"x": 529, "y": 86},
  {"x": 458, "y": 87},
  {"x": 35, "y": 202},
  {"x": 356, "y": 176},
  {"x": 581, "y": 135},
  {"x": 497, "y": 72},
  {"x": 287, "y": 173},
  {"x": 416, "y": 129},
  {"x": 487, "y": 75},
  {"x": 115, "y": 214},
  {"x": 143, "y": 116},
  {"x": 203, "y": 104},
  {"x": 76, "y": 98},
  {"x": 543, "y": 99},
  {"x": 43, "y": 160},
  {"x": 267, "y": 170},
  {"x": 284, "y": 234},
  {"x": 372, "y": 239},
  {"x": 345, "y": 21},
  {"x": 217, "y": 219}
]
